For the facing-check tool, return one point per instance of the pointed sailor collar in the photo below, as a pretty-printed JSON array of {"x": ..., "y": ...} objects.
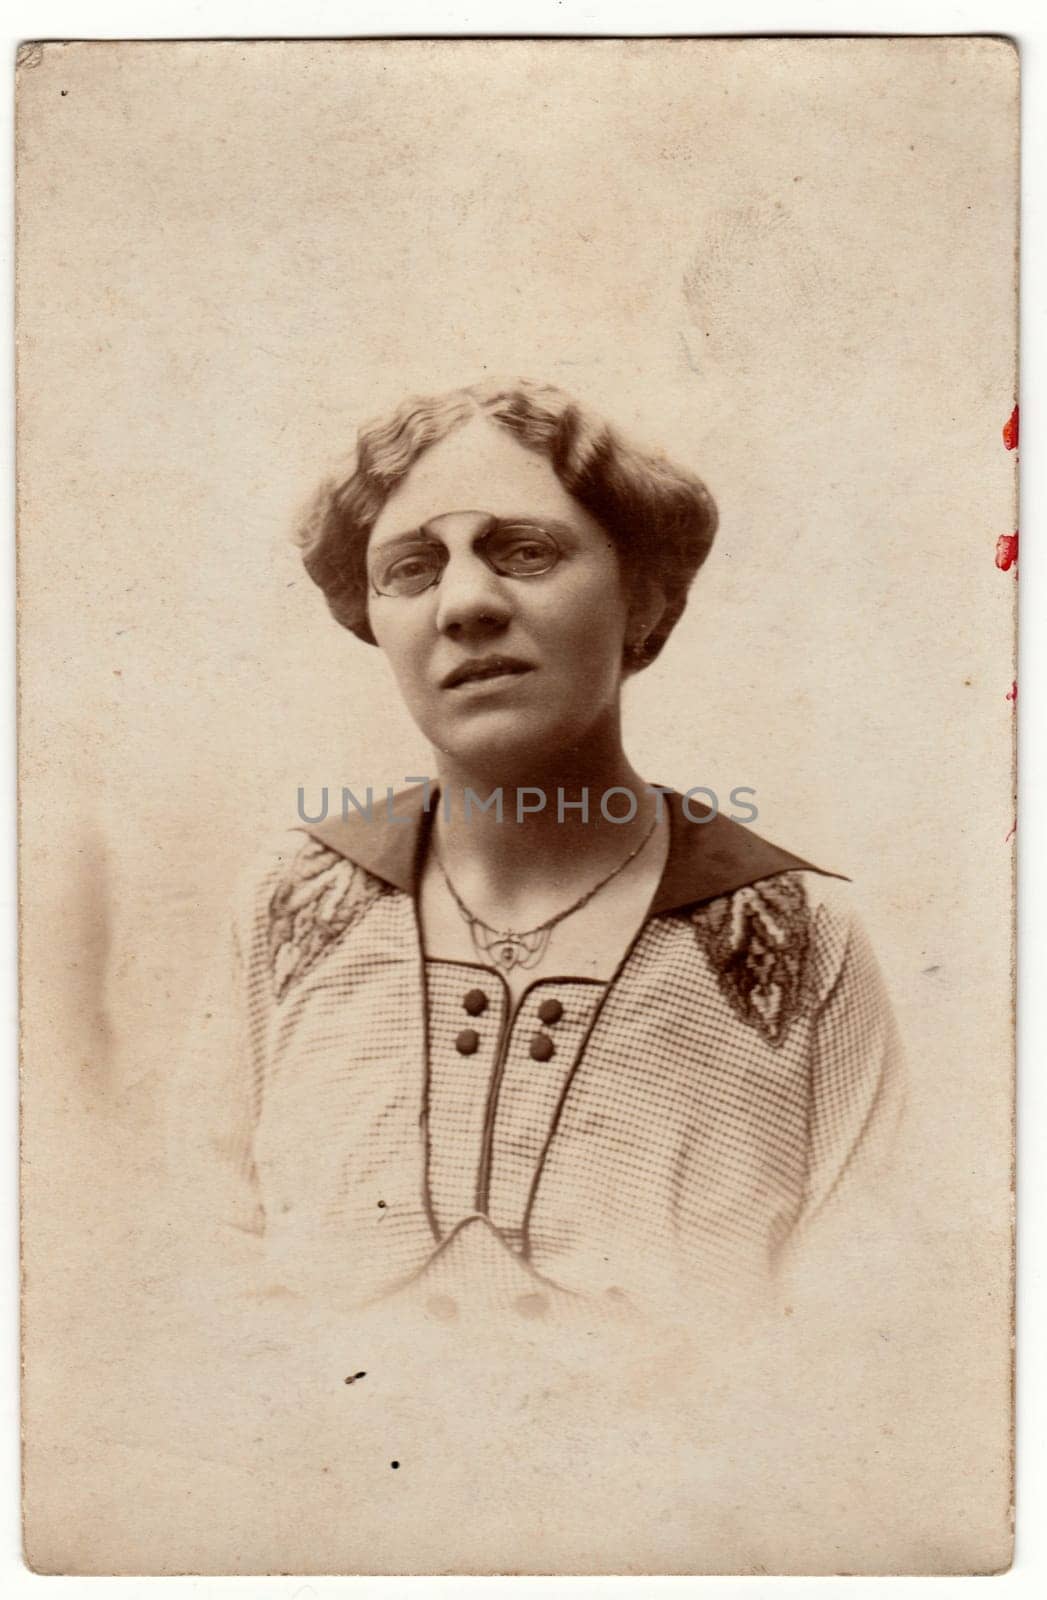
[{"x": 705, "y": 859}]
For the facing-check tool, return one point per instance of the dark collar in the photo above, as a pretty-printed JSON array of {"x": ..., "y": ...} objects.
[{"x": 705, "y": 860}]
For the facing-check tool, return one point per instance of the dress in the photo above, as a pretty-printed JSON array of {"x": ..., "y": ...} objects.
[{"x": 359, "y": 1116}]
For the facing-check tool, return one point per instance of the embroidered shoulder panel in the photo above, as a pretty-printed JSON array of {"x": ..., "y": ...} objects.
[
  {"x": 757, "y": 940},
  {"x": 319, "y": 899}
]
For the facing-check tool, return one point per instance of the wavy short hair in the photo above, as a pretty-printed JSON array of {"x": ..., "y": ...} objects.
[{"x": 661, "y": 519}]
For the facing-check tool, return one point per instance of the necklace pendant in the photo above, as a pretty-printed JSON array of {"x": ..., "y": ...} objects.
[
  {"x": 509, "y": 950},
  {"x": 508, "y": 953}
]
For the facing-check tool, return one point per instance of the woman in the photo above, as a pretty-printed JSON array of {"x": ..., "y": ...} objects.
[{"x": 540, "y": 1031}]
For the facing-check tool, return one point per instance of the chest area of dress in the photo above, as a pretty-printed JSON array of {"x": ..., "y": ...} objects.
[{"x": 376, "y": 1044}]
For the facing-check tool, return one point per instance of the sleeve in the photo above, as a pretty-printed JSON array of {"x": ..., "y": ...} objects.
[
  {"x": 857, "y": 1077},
  {"x": 215, "y": 1093}
]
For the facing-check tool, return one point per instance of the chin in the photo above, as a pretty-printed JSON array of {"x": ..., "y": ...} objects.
[
  {"x": 502, "y": 755},
  {"x": 513, "y": 750}
]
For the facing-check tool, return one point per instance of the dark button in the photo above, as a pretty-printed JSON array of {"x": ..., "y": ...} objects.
[
  {"x": 550, "y": 1011},
  {"x": 442, "y": 1307},
  {"x": 542, "y": 1047},
  {"x": 467, "y": 1042},
  {"x": 531, "y": 1305},
  {"x": 475, "y": 1002}
]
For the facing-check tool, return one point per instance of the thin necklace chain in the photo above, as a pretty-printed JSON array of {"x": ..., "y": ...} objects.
[{"x": 510, "y": 949}]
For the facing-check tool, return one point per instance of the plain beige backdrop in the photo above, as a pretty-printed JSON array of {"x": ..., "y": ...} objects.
[{"x": 789, "y": 264}]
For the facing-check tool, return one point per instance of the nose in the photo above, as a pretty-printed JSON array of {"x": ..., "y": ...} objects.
[{"x": 471, "y": 599}]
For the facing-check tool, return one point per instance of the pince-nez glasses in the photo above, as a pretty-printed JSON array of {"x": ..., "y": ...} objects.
[{"x": 512, "y": 549}]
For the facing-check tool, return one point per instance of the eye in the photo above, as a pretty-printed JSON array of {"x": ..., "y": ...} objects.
[
  {"x": 407, "y": 569},
  {"x": 522, "y": 552},
  {"x": 409, "y": 573}
]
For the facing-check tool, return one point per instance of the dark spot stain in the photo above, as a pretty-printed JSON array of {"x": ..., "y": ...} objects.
[
  {"x": 355, "y": 1377},
  {"x": 394, "y": 1465},
  {"x": 381, "y": 1205},
  {"x": 63, "y": 92}
]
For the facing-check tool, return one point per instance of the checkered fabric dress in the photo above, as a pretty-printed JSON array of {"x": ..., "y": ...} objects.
[{"x": 362, "y": 1119}]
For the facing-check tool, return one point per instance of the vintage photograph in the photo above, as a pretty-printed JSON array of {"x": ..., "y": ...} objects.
[
  {"x": 517, "y": 556},
  {"x": 660, "y": 1049}
]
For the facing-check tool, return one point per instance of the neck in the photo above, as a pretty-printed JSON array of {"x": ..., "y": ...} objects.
[{"x": 550, "y": 830}]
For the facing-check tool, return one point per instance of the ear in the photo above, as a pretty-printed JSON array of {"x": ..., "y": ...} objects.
[{"x": 646, "y": 609}]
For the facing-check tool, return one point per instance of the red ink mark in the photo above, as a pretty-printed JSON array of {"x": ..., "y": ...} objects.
[
  {"x": 1006, "y": 551},
  {"x": 1014, "y": 829},
  {"x": 1012, "y": 693},
  {"x": 1010, "y": 431}
]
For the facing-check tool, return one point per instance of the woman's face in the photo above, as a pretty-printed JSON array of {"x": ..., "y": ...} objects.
[{"x": 515, "y": 654}]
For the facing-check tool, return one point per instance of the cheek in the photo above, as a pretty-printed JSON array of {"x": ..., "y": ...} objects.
[
  {"x": 398, "y": 643},
  {"x": 596, "y": 620}
]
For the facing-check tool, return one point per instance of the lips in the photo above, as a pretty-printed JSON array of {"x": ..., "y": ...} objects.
[{"x": 484, "y": 667}]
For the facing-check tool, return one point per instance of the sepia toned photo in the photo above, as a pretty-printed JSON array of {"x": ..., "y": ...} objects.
[{"x": 517, "y": 555}]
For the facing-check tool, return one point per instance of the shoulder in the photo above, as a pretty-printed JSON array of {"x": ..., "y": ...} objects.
[
  {"x": 294, "y": 898},
  {"x": 778, "y": 945}
]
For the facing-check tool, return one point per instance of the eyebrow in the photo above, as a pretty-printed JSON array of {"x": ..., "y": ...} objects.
[{"x": 426, "y": 534}]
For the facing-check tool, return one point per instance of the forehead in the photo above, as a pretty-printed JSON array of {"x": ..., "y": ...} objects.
[{"x": 479, "y": 467}]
